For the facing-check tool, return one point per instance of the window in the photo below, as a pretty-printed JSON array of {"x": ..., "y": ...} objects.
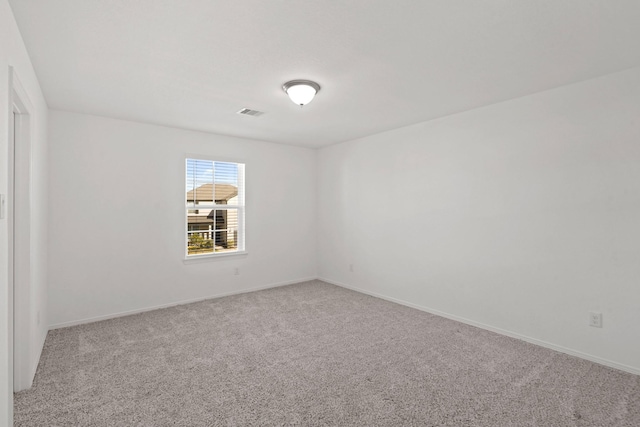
[{"x": 214, "y": 207}]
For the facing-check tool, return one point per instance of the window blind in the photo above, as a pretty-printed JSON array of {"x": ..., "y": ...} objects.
[{"x": 215, "y": 206}]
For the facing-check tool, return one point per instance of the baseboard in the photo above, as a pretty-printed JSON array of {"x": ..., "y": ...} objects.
[
  {"x": 173, "y": 304},
  {"x": 34, "y": 366},
  {"x": 561, "y": 349}
]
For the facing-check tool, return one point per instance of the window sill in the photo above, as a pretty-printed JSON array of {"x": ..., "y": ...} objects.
[{"x": 213, "y": 257}]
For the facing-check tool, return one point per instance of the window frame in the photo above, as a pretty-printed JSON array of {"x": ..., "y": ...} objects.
[{"x": 240, "y": 208}]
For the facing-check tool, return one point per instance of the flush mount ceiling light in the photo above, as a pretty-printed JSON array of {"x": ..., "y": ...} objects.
[{"x": 301, "y": 92}]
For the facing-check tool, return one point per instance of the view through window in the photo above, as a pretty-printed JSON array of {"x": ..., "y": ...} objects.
[{"x": 215, "y": 207}]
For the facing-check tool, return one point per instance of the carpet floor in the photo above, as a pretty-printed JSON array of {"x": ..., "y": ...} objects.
[{"x": 313, "y": 354}]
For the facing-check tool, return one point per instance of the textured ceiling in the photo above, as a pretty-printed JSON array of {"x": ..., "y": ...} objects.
[{"x": 381, "y": 64}]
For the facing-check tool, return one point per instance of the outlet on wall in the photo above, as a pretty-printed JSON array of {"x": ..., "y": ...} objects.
[
  {"x": 236, "y": 271},
  {"x": 595, "y": 319},
  {"x": 351, "y": 268}
]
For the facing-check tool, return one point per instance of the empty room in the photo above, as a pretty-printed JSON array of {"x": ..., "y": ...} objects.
[{"x": 319, "y": 213}]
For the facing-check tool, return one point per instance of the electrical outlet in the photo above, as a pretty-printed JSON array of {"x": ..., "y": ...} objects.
[
  {"x": 38, "y": 317},
  {"x": 351, "y": 268},
  {"x": 595, "y": 319},
  {"x": 236, "y": 271}
]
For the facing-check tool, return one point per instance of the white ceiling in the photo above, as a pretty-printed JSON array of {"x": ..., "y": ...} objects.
[{"x": 381, "y": 64}]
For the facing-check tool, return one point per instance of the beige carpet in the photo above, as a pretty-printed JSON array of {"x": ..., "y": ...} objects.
[{"x": 313, "y": 354}]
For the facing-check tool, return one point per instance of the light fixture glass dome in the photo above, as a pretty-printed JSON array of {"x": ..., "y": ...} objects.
[{"x": 301, "y": 92}]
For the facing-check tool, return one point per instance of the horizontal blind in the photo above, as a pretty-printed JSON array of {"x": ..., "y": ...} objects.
[
  {"x": 215, "y": 206},
  {"x": 199, "y": 182}
]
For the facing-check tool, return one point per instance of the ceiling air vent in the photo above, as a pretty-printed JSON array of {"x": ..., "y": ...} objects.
[{"x": 249, "y": 112}]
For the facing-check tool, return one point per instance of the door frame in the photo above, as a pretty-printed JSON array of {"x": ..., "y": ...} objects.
[{"x": 19, "y": 227}]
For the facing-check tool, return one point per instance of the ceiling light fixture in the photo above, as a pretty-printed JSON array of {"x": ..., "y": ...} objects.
[{"x": 301, "y": 92}]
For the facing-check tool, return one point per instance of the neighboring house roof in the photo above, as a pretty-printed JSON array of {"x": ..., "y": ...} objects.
[
  {"x": 205, "y": 193},
  {"x": 201, "y": 219}
]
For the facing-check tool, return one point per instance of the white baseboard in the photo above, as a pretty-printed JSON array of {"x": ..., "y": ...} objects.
[
  {"x": 561, "y": 349},
  {"x": 173, "y": 304},
  {"x": 34, "y": 366}
]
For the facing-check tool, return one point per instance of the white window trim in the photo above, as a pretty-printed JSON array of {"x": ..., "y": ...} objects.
[
  {"x": 189, "y": 259},
  {"x": 194, "y": 259}
]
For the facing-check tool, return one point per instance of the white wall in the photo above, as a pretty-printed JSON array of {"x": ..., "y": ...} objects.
[
  {"x": 117, "y": 221},
  {"x": 521, "y": 216},
  {"x": 13, "y": 53}
]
